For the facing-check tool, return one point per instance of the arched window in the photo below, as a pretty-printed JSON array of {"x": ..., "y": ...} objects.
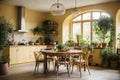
[{"x": 82, "y": 25}]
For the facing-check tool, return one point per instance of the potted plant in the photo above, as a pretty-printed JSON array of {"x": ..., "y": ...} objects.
[
  {"x": 102, "y": 28},
  {"x": 95, "y": 44},
  {"x": 113, "y": 60},
  {"x": 105, "y": 55},
  {"x": 70, "y": 43},
  {"x": 37, "y": 30},
  {"x": 61, "y": 47},
  {"x": 80, "y": 40},
  {"x": 5, "y": 30}
]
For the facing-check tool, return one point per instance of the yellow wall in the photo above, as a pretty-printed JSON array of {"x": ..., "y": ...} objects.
[
  {"x": 10, "y": 12},
  {"x": 32, "y": 19}
]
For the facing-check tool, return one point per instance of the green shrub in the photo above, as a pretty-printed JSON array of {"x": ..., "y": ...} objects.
[{"x": 5, "y": 30}]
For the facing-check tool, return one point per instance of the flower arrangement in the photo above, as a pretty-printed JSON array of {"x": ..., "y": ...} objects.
[
  {"x": 61, "y": 47},
  {"x": 70, "y": 43}
]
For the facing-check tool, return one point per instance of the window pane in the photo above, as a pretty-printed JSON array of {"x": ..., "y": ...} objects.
[
  {"x": 76, "y": 30},
  {"x": 86, "y": 16},
  {"x": 86, "y": 31},
  {"x": 95, "y": 36},
  {"x": 86, "y": 25},
  {"x": 77, "y": 18},
  {"x": 105, "y": 14},
  {"x": 96, "y": 15}
]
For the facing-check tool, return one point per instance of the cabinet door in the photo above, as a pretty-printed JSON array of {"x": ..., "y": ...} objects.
[
  {"x": 27, "y": 54},
  {"x": 12, "y": 55},
  {"x": 97, "y": 56},
  {"x": 31, "y": 54},
  {"x": 23, "y": 54},
  {"x": 20, "y": 55}
]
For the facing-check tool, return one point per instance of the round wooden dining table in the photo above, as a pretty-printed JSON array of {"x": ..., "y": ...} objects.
[{"x": 54, "y": 53}]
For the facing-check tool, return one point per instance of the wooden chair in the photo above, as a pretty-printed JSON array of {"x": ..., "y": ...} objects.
[
  {"x": 63, "y": 59},
  {"x": 81, "y": 61},
  {"x": 39, "y": 58},
  {"x": 50, "y": 58}
]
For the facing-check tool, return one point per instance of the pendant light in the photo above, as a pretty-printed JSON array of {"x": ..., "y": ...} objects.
[
  {"x": 57, "y": 9},
  {"x": 75, "y": 10}
]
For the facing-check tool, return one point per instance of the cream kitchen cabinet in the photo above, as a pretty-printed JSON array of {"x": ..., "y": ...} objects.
[
  {"x": 23, "y": 54},
  {"x": 96, "y": 56},
  {"x": 12, "y": 55}
]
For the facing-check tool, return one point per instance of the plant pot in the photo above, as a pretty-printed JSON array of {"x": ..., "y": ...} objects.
[
  {"x": 113, "y": 64},
  {"x": 105, "y": 65},
  {"x": 102, "y": 45},
  {"x": 3, "y": 68}
]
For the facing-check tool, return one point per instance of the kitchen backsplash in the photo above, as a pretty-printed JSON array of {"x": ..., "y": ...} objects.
[{"x": 22, "y": 38}]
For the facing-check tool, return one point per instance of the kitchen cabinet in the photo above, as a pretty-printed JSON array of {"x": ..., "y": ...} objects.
[
  {"x": 12, "y": 55},
  {"x": 23, "y": 54},
  {"x": 97, "y": 60}
]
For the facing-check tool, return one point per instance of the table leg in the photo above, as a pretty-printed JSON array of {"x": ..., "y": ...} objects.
[{"x": 45, "y": 64}]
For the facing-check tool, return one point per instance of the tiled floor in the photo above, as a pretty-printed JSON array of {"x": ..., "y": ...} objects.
[{"x": 25, "y": 72}]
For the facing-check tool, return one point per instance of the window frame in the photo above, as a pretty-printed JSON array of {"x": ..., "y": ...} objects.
[{"x": 91, "y": 20}]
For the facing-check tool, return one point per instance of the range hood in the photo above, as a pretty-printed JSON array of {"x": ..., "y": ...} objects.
[{"x": 21, "y": 19}]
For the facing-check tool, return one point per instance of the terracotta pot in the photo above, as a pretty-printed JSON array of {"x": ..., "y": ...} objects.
[
  {"x": 3, "y": 68},
  {"x": 102, "y": 45}
]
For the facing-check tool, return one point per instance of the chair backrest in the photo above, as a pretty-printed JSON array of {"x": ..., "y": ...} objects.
[
  {"x": 63, "y": 57},
  {"x": 86, "y": 55},
  {"x": 38, "y": 55}
]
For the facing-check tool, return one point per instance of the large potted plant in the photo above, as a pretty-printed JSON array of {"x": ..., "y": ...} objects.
[
  {"x": 105, "y": 55},
  {"x": 113, "y": 60},
  {"x": 5, "y": 30},
  {"x": 102, "y": 28}
]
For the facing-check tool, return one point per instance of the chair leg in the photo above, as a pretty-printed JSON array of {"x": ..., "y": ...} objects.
[
  {"x": 53, "y": 64},
  {"x": 72, "y": 68},
  {"x": 80, "y": 70},
  {"x": 35, "y": 68},
  {"x": 88, "y": 68},
  {"x": 57, "y": 70},
  {"x": 84, "y": 67},
  {"x": 68, "y": 68},
  {"x": 48, "y": 64},
  {"x": 55, "y": 67}
]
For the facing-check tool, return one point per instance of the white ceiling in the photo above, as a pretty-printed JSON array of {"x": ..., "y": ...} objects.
[{"x": 44, "y": 5}]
